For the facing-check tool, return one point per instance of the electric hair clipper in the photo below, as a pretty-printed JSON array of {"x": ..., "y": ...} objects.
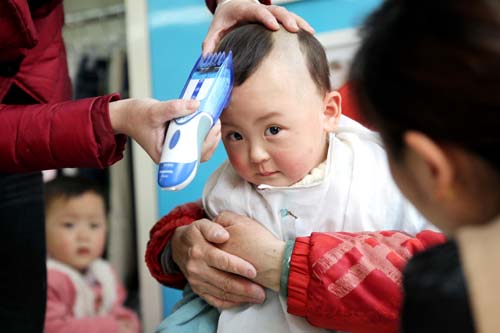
[{"x": 210, "y": 82}]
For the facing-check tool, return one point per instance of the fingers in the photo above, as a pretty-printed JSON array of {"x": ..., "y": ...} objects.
[
  {"x": 263, "y": 15},
  {"x": 232, "y": 289},
  {"x": 233, "y": 14},
  {"x": 220, "y": 303},
  {"x": 226, "y": 262},
  {"x": 169, "y": 110},
  {"x": 212, "y": 232},
  {"x": 199, "y": 250},
  {"x": 287, "y": 19},
  {"x": 226, "y": 290},
  {"x": 303, "y": 24},
  {"x": 211, "y": 142},
  {"x": 214, "y": 34}
]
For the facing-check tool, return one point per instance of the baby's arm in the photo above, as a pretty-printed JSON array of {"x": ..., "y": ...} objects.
[{"x": 342, "y": 281}]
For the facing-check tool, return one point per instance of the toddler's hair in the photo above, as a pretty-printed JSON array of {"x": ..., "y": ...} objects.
[
  {"x": 71, "y": 187},
  {"x": 251, "y": 44}
]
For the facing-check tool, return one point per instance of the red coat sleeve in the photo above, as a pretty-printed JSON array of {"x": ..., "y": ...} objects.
[
  {"x": 352, "y": 281},
  {"x": 212, "y": 4},
  {"x": 51, "y": 136},
  {"x": 160, "y": 235}
]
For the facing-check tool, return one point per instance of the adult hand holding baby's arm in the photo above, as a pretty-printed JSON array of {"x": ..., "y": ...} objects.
[
  {"x": 229, "y": 14},
  {"x": 218, "y": 277},
  {"x": 145, "y": 120},
  {"x": 252, "y": 242}
]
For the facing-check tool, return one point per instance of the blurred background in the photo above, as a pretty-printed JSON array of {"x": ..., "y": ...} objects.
[{"x": 146, "y": 48}]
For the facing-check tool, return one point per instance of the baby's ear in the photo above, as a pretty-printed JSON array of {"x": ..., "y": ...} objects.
[{"x": 332, "y": 110}]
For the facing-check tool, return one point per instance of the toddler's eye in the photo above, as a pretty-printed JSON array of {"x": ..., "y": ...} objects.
[
  {"x": 68, "y": 225},
  {"x": 235, "y": 136},
  {"x": 273, "y": 130},
  {"x": 95, "y": 225}
]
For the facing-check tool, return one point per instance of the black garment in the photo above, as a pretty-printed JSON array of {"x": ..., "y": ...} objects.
[
  {"x": 23, "y": 274},
  {"x": 436, "y": 298}
]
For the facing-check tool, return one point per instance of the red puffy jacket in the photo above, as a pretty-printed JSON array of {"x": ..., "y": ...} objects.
[{"x": 52, "y": 133}]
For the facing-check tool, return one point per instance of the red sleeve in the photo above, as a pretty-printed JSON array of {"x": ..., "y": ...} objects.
[
  {"x": 160, "y": 235},
  {"x": 52, "y": 136},
  {"x": 350, "y": 107},
  {"x": 352, "y": 281},
  {"x": 212, "y": 4}
]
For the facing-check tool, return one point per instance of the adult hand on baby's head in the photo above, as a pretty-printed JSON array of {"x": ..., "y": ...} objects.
[
  {"x": 216, "y": 276},
  {"x": 238, "y": 12},
  {"x": 252, "y": 242}
]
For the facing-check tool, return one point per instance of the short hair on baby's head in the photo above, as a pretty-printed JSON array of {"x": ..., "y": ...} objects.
[
  {"x": 252, "y": 43},
  {"x": 70, "y": 187}
]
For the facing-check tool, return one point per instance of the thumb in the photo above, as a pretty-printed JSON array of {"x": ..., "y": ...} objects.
[
  {"x": 227, "y": 219},
  {"x": 213, "y": 232},
  {"x": 177, "y": 108}
]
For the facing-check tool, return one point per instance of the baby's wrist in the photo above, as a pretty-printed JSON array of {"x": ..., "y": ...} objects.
[{"x": 269, "y": 276}]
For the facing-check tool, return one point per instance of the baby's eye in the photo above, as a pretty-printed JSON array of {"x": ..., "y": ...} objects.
[
  {"x": 68, "y": 225},
  {"x": 235, "y": 136},
  {"x": 95, "y": 225},
  {"x": 273, "y": 130}
]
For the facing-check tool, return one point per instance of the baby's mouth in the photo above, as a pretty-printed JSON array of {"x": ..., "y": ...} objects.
[
  {"x": 267, "y": 173},
  {"x": 83, "y": 251}
]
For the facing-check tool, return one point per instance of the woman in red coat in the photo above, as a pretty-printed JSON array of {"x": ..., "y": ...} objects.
[{"x": 41, "y": 129}]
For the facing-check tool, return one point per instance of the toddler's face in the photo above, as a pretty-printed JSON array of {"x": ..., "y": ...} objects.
[
  {"x": 76, "y": 229},
  {"x": 275, "y": 128}
]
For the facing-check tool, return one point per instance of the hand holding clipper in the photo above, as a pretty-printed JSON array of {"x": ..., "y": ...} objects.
[{"x": 210, "y": 82}]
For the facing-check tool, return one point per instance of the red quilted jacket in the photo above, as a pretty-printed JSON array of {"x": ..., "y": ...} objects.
[
  {"x": 342, "y": 281},
  {"x": 50, "y": 133}
]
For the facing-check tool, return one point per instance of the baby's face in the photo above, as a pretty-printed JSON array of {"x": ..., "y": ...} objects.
[
  {"x": 76, "y": 229},
  {"x": 274, "y": 129}
]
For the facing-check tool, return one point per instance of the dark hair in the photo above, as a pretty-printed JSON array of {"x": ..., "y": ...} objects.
[
  {"x": 71, "y": 187},
  {"x": 434, "y": 67},
  {"x": 251, "y": 44}
]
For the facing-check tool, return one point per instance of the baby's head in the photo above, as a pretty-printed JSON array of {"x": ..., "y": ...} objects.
[
  {"x": 275, "y": 129},
  {"x": 75, "y": 219}
]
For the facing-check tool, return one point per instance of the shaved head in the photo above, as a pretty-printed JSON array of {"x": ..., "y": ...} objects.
[{"x": 252, "y": 44}]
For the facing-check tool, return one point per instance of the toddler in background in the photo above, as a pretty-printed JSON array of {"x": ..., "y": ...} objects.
[
  {"x": 296, "y": 165},
  {"x": 83, "y": 292}
]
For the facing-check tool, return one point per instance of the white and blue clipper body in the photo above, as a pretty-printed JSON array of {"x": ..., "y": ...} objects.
[{"x": 210, "y": 82}]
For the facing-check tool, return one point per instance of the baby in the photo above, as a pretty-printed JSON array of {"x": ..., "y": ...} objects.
[
  {"x": 296, "y": 165},
  {"x": 83, "y": 292}
]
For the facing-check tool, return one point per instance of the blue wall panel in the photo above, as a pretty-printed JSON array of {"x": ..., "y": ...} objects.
[{"x": 177, "y": 28}]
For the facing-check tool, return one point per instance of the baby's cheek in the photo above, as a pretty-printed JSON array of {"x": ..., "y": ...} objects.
[
  {"x": 238, "y": 163},
  {"x": 293, "y": 165},
  {"x": 61, "y": 247}
]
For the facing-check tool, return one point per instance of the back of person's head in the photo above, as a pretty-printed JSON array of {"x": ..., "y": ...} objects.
[
  {"x": 433, "y": 67},
  {"x": 64, "y": 187},
  {"x": 252, "y": 43}
]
